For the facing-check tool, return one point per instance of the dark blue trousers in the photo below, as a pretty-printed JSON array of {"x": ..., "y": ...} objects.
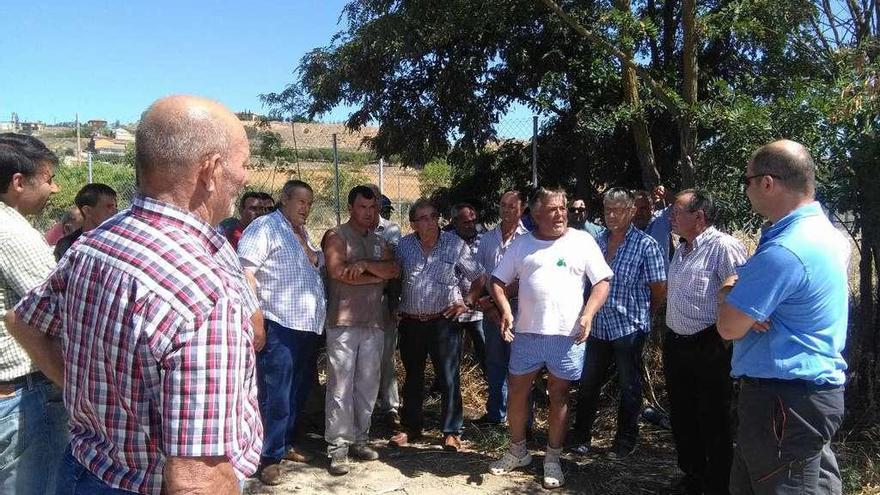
[
  {"x": 284, "y": 370},
  {"x": 75, "y": 479}
]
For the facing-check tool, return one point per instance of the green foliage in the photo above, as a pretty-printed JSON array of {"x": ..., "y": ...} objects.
[
  {"x": 349, "y": 177},
  {"x": 435, "y": 175}
]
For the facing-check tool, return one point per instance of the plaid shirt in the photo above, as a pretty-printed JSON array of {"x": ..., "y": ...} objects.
[
  {"x": 431, "y": 283},
  {"x": 637, "y": 263},
  {"x": 695, "y": 277},
  {"x": 289, "y": 287},
  {"x": 25, "y": 262},
  {"x": 153, "y": 312}
]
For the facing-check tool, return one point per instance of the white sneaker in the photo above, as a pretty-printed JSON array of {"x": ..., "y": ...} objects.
[{"x": 509, "y": 462}]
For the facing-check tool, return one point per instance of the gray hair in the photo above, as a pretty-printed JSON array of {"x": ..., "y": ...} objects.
[
  {"x": 291, "y": 185},
  {"x": 789, "y": 163},
  {"x": 179, "y": 140},
  {"x": 418, "y": 205},
  {"x": 619, "y": 195},
  {"x": 543, "y": 194}
]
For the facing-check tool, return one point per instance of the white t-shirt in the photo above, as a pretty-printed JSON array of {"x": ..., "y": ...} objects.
[{"x": 552, "y": 277}]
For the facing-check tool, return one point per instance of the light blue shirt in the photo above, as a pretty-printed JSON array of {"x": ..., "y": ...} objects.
[
  {"x": 660, "y": 229},
  {"x": 797, "y": 280}
]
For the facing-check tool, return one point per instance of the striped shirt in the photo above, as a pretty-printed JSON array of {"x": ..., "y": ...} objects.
[
  {"x": 153, "y": 313},
  {"x": 695, "y": 277},
  {"x": 492, "y": 246},
  {"x": 25, "y": 262},
  {"x": 431, "y": 283},
  {"x": 637, "y": 263},
  {"x": 289, "y": 287}
]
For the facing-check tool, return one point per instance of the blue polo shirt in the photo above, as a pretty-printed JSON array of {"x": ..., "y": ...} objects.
[{"x": 797, "y": 280}]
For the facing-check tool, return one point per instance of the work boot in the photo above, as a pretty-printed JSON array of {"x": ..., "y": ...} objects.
[
  {"x": 363, "y": 452},
  {"x": 271, "y": 475},
  {"x": 339, "y": 463}
]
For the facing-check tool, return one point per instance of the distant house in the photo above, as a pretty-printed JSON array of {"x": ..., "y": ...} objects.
[
  {"x": 97, "y": 124},
  {"x": 106, "y": 146},
  {"x": 32, "y": 126},
  {"x": 123, "y": 134}
]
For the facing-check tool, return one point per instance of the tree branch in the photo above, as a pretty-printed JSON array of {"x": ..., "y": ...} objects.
[
  {"x": 656, "y": 88},
  {"x": 832, "y": 21}
]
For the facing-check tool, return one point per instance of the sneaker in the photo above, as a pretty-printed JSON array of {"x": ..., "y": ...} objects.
[
  {"x": 339, "y": 464},
  {"x": 620, "y": 452},
  {"x": 583, "y": 449},
  {"x": 363, "y": 452},
  {"x": 271, "y": 475},
  {"x": 509, "y": 462}
]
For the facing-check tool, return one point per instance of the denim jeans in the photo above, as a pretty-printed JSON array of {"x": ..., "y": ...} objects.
[
  {"x": 497, "y": 359},
  {"x": 284, "y": 369},
  {"x": 474, "y": 330},
  {"x": 627, "y": 355},
  {"x": 75, "y": 479},
  {"x": 441, "y": 339},
  {"x": 33, "y": 436}
]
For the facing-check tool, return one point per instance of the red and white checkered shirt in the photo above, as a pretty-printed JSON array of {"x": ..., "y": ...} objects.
[{"x": 153, "y": 313}]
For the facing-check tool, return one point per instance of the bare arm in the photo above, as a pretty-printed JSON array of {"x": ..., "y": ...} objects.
[
  {"x": 386, "y": 268},
  {"x": 199, "y": 476},
  {"x": 658, "y": 296},
  {"x": 598, "y": 295},
  {"x": 44, "y": 350},
  {"x": 497, "y": 290},
  {"x": 338, "y": 269}
]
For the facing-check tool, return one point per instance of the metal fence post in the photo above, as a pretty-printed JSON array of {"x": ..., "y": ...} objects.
[
  {"x": 381, "y": 175},
  {"x": 336, "y": 171},
  {"x": 534, "y": 151}
]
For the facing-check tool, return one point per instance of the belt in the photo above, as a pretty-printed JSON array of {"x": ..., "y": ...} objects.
[
  {"x": 422, "y": 316},
  {"x": 780, "y": 382},
  {"x": 694, "y": 335},
  {"x": 10, "y": 386}
]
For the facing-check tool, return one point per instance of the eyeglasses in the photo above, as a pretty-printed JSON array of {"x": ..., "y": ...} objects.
[
  {"x": 747, "y": 179},
  {"x": 577, "y": 210}
]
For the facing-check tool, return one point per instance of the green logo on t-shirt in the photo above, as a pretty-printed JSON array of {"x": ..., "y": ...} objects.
[{"x": 560, "y": 262}]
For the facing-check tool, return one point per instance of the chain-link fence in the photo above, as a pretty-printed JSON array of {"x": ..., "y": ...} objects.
[{"x": 305, "y": 152}]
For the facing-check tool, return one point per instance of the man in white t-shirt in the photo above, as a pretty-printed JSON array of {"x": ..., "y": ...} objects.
[{"x": 552, "y": 264}]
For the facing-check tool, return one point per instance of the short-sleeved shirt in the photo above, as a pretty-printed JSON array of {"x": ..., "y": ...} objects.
[
  {"x": 695, "y": 276},
  {"x": 797, "y": 280},
  {"x": 637, "y": 263},
  {"x": 492, "y": 247},
  {"x": 25, "y": 262},
  {"x": 153, "y": 313},
  {"x": 289, "y": 286},
  {"x": 660, "y": 229},
  {"x": 590, "y": 228},
  {"x": 431, "y": 283},
  {"x": 552, "y": 276},
  {"x": 389, "y": 232}
]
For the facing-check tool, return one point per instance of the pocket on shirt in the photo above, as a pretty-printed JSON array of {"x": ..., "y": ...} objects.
[{"x": 700, "y": 283}]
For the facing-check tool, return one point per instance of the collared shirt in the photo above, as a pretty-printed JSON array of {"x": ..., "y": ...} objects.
[
  {"x": 637, "y": 263},
  {"x": 389, "y": 232},
  {"x": 431, "y": 283},
  {"x": 25, "y": 262},
  {"x": 695, "y": 275},
  {"x": 289, "y": 286},
  {"x": 660, "y": 228},
  {"x": 465, "y": 287},
  {"x": 797, "y": 279},
  {"x": 492, "y": 246},
  {"x": 154, "y": 314}
]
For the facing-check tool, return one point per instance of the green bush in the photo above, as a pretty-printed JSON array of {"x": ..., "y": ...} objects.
[
  {"x": 71, "y": 179},
  {"x": 436, "y": 174}
]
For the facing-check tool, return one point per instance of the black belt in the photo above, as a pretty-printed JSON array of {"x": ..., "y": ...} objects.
[
  {"x": 699, "y": 333},
  {"x": 422, "y": 317},
  {"x": 8, "y": 386}
]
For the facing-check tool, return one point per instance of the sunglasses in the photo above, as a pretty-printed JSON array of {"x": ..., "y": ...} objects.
[{"x": 747, "y": 179}]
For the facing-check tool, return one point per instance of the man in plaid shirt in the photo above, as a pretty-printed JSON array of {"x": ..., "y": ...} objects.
[
  {"x": 147, "y": 322},
  {"x": 638, "y": 289}
]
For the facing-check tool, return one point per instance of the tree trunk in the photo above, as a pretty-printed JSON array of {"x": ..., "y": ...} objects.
[
  {"x": 641, "y": 136},
  {"x": 686, "y": 125}
]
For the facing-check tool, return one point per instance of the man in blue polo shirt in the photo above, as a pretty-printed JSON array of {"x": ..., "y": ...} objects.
[{"x": 787, "y": 313}]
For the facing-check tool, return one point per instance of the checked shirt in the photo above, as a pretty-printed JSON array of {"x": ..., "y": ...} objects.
[
  {"x": 431, "y": 283},
  {"x": 637, "y": 263},
  {"x": 153, "y": 313}
]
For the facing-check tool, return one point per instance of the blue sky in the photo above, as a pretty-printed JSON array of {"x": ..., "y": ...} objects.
[{"x": 109, "y": 60}]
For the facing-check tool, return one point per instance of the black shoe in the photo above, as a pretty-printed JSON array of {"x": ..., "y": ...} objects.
[
  {"x": 485, "y": 420},
  {"x": 620, "y": 452}
]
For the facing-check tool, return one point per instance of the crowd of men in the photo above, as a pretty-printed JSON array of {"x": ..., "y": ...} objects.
[{"x": 185, "y": 346}]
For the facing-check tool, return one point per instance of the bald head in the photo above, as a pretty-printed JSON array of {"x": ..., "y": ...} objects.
[
  {"x": 789, "y": 163},
  {"x": 178, "y": 132}
]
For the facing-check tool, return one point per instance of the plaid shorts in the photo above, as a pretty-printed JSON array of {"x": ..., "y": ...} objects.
[{"x": 529, "y": 352}]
